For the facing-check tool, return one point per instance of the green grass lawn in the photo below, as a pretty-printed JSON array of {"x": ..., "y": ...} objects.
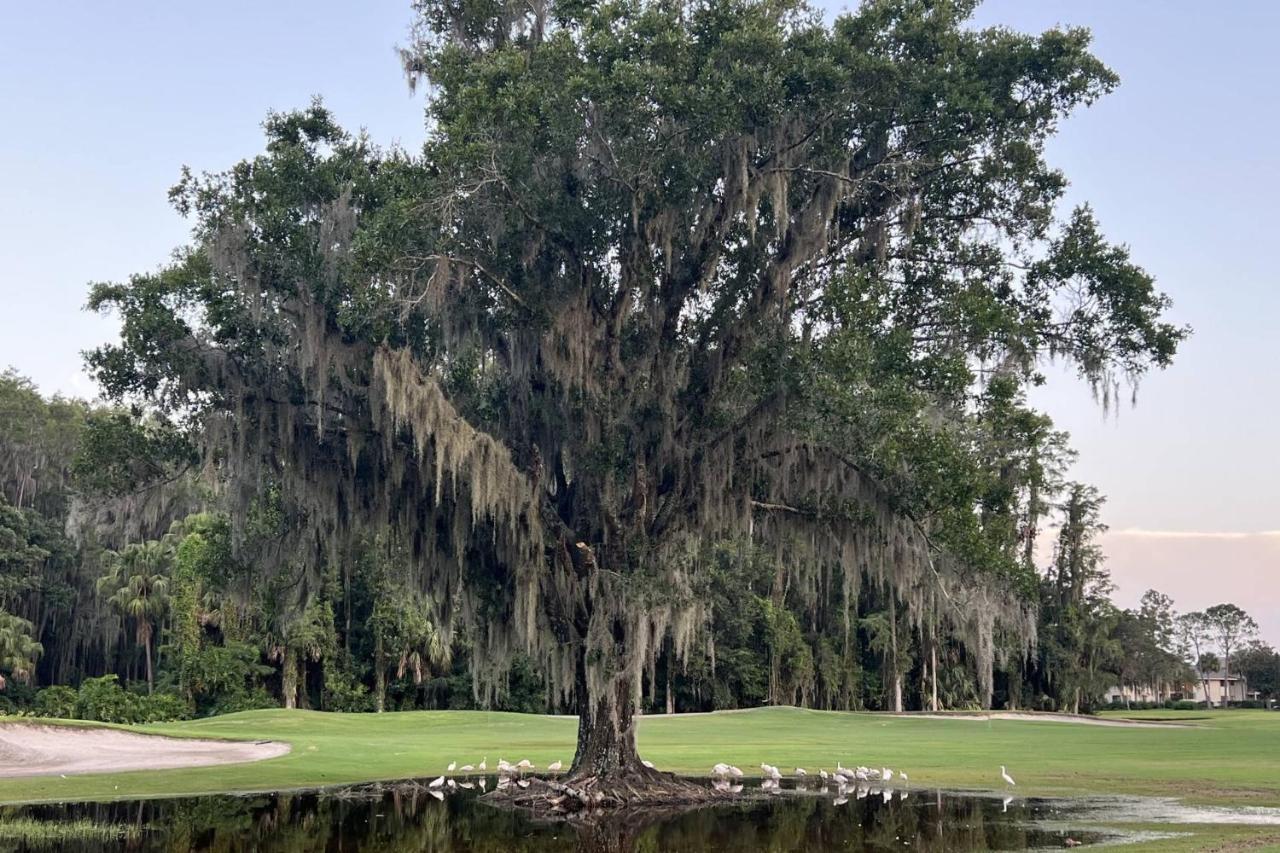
[{"x": 1226, "y": 758}]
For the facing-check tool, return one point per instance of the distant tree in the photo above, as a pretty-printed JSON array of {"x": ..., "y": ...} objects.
[
  {"x": 1230, "y": 627},
  {"x": 1194, "y": 637},
  {"x": 1078, "y": 649},
  {"x": 1260, "y": 664},
  {"x": 136, "y": 586},
  {"x": 18, "y": 650},
  {"x": 1156, "y": 610}
]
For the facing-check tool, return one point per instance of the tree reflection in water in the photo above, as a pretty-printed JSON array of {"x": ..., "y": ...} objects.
[{"x": 405, "y": 817}]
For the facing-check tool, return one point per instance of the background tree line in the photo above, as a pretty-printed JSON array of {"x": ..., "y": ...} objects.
[{"x": 123, "y": 598}]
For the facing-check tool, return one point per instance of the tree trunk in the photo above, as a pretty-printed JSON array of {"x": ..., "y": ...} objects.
[
  {"x": 379, "y": 674},
  {"x": 146, "y": 643},
  {"x": 607, "y": 771},
  {"x": 933, "y": 674},
  {"x": 893, "y": 643},
  {"x": 671, "y": 695},
  {"x": 606, "y": 734},
  {"x": 289, "y": 679}
]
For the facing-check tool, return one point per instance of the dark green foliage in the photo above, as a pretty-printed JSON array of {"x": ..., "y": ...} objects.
[
  {"x": 58, "y": 701},
  {"x": 1260, "y": 664},
  {"x": 104, "y": 700}
]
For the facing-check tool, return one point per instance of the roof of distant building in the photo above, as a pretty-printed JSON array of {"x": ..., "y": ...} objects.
[{"x": 1218, "y": 675}]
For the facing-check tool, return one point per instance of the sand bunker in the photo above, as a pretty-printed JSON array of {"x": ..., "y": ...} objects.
[
  {"x": 1078, "y": 719},
  {"x": 51, "y": 750}
]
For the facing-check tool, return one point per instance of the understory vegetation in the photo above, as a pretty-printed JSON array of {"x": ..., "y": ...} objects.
[{"x": 88, "y": 612}]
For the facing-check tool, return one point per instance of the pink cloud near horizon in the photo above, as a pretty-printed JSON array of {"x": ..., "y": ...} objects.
[{"x": 1199, "y": 569}]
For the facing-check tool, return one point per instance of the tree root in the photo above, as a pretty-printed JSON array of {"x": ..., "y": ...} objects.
[{"x": 638, "y": 788}]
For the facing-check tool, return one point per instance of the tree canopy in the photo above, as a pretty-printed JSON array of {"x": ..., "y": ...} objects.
[{"x": 665, "y": 274}]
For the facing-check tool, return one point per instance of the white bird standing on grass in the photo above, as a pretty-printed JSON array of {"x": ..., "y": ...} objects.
[
  {"x": 453, "y": 765},
  {"x": 1004, "y": 774},
  {"x": 484, "y": 764},
  {"x": 555, "y": 765}
]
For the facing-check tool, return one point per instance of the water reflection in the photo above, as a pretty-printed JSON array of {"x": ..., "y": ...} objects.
[{"x": 407, "y": 817}]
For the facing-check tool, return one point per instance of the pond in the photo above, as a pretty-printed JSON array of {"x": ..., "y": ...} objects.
[{"x": 409, "y": 817}]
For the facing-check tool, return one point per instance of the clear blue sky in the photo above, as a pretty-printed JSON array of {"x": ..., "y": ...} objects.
[{"x": 102, "y": 103}]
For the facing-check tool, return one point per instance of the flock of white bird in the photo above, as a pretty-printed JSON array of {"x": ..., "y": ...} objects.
[
  {"x": 508, "y": 774},
  {"x": 724, "y": 777},
  {"x": 859, "y": 781}
]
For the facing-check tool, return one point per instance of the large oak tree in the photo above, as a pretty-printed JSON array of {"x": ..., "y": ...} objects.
[{"x": 665, "y": 273}]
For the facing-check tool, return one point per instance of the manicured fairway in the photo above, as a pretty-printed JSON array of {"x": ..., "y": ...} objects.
[{"x": 1226, "y": 758}]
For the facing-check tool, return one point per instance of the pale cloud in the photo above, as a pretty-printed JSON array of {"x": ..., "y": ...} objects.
[
  {"x": 1192, "y": 534},
  {"x": 1200, "y": 569}
]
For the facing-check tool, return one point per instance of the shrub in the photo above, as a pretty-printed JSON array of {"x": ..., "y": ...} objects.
[
  {"x": 245, "y": 700},
  {"x": 1185, "y": 705},
  {"x": 58, "y": 701},
  {"x": 161, "y": 707},
  {"x": 103, "y": 699}
]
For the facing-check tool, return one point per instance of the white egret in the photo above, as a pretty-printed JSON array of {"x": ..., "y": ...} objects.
[
  {"x": 1004, "y": 774},
  {"x": 466, "y": 768},
  {"x": 886, "y": 775},
  {"x": 801, "y": 772},
  {"x": 735, "y": 772},
  {"x": 453, "y": 765},
  {"x": 555, "y": 765},
  {"x": 823, "y": 775},
  {"x": 903, "y": 776},
  {"x": 484, "y": 764},
  {"x": 525, "y": 764}
]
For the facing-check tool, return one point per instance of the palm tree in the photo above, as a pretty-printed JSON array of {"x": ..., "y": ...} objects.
[
  {"x": 421, "y": 645},
  {"x": 18, "y": 650},
  {"x": 137, "y": 587}
]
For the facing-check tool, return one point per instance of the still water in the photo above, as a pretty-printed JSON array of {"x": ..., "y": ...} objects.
[{"x": 406, "y": 817}]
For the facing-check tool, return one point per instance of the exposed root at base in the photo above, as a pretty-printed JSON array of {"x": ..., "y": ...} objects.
[{"x": 641, "y": 789}]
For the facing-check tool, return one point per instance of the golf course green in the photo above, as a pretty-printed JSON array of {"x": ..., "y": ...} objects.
[{"x": 1219, "y": 758}]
